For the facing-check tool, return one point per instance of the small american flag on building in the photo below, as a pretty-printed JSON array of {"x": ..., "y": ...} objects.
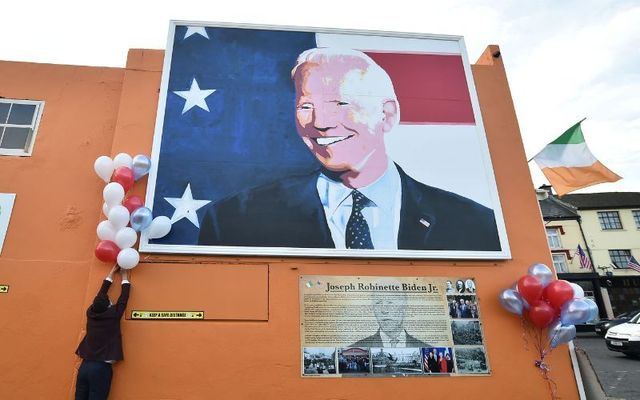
[
  {"x": 633, "y": 264},
  {"x": 585, "y": 262}
]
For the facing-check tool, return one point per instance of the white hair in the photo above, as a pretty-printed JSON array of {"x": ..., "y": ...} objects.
[{"x": 379, "y": 83}]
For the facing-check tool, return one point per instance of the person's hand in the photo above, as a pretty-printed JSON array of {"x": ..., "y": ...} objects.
[
  {"x": 113, "y": 271},
  {"x": 125, "y": 274}
]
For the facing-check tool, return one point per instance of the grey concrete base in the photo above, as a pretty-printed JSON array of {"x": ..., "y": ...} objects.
[{"x": 592, "y": 388}]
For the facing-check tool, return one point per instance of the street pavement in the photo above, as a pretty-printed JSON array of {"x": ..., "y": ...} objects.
[{"x": 618, "y": 374}]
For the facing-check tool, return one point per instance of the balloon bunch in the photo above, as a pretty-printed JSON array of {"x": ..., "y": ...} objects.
[
  {"x": 116, "y": 237},
  {"x": 545, "y": 303}
]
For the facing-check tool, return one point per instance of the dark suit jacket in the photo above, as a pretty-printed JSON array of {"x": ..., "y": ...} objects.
[
  {"x": 288, "y": 213},
  {"x": 103, "y": 340},
  {"x": 375, "y": 340}
]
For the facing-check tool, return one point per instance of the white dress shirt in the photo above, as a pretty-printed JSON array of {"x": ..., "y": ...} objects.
[{"x": 382, "y": 214}]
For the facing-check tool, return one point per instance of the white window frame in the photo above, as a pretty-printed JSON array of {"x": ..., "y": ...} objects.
[
  {"x": 35, "y": 123},
  {"x": 553, "y": 234},
  {"x": 564, "y": 267}
]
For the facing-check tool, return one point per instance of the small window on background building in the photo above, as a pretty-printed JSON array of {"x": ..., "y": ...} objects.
[
  {"x": 18, "y": 126},
  {"x": 560, "y": 262},
  {"x": 620, "y": 258},
  {"x": 636, "y": 218},
  {"x": 609, "y": 220},
  {"x": 553, "y": 237}
]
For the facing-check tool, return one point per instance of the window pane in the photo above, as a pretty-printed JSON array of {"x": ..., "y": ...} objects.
[
  {"x": 620, "y": 257},
  {"x": 22, "y": 114},
  {"x": 559, "y": 262},
  {"x": 609, "y": 220},
  {"x": 4, "y": 112},
  {"x": 636, "y": 218},
  {"x": 553, "y": 238},
  {"x": 15, "y": 138}
]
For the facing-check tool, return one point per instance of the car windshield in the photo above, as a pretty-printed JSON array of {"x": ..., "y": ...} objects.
[{"x": 624, "y": 314}]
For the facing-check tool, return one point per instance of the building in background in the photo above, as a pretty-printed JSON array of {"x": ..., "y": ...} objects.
[{"x": 606, "y": 226}]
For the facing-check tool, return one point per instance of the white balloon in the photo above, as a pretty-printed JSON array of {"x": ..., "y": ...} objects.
[
  {"x": 119, "y": 217},
  {"x": 578, "y": 292},
  {"x": 122, "y": 160},
  {"x": 105, "y": 209},
  {"x": 125, "y": 238},
  {"x": 160, "y": 227},
  {"x": 128, "y": 258},
  {"x": 104, "y": 168},
  {"x": 106, "y": 231},
  {"x": 113, "y": 194}
]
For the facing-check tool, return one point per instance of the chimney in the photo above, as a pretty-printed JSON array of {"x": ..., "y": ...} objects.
[{"x": 547, "y": 188}]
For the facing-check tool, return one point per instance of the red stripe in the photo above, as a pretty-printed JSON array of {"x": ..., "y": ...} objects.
[{"x": 431, "y": 88}]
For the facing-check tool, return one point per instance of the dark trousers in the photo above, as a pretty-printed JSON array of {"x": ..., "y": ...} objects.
[{"x": 94, "y": 380}]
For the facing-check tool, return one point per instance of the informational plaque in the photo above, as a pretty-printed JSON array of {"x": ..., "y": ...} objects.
[{"x": 390, "y": 326}]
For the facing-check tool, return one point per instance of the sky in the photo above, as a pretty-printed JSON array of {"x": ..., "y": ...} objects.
[{"x": 565, "y": 60}]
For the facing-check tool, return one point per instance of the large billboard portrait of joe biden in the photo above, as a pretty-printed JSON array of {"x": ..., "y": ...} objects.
[{"x": 298, "y": 141}]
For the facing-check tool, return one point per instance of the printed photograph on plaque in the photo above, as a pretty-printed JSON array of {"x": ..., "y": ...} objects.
[
  {"x": 389, "y": 326},
  {"x": 319, "y": 360}
]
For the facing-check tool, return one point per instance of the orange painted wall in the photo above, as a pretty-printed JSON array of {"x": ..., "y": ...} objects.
[{"x": 249, "y": 346}]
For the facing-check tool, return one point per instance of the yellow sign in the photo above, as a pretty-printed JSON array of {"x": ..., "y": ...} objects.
[
  {"x": 135, "y": 314},
  {"x": 4, "y": 288}
]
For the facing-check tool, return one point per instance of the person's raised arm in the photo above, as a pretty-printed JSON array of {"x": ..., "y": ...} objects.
[
  {"x": 125, "y": 275},
  {"x": 107, "y": 281},
  {"x": 113, "y": 271},
  {"x": 121, "y": 305}
]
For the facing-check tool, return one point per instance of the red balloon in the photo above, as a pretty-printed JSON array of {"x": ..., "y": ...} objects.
[
  {"x": 133, "y": 203},
  {"x": 557, "y": 293},
  {"x": 541, "y": 314},
  {"x": 124, "y": 176},
  {"x": 530, "y": 288},
  {"x": 107, "y": 251}
]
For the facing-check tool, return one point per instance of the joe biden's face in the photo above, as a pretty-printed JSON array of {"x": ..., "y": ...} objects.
[
  {"x": 389, "y": 312},
  {"x": 343, "y": 129}
]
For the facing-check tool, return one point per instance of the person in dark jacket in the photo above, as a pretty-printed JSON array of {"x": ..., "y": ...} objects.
[{"x": 102, "y": 343}]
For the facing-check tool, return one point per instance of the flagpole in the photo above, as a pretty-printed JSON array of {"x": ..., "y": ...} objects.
[
  {"x": 577, "y": 123},
  {"x": 586, "y": 244}
]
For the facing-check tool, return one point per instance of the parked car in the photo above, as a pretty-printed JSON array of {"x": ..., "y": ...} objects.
[
  {"x": 604, "y": 325},
  {"x": 625, "y": 337}
]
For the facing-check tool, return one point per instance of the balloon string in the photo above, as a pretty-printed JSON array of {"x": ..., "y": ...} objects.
[
  {"x": 525, "y": 331},
  {"x": 544, "y": 348}
]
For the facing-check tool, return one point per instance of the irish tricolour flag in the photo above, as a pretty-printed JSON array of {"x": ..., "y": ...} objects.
[{"x": 569, "y": 165}]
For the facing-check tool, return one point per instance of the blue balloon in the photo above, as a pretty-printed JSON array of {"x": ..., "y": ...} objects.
[
  {"x": 575, "y": 311},
  {"x": 593, "y": 308},
  {"x": 559, "y": 333},
  {"x": 511, "y": 301},
  {"x": 141, "y": 166},
  {"x": 141, "y": 219}
]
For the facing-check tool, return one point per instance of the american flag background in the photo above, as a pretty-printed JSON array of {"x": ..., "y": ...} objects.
[{"x": 633, "y": 264}]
